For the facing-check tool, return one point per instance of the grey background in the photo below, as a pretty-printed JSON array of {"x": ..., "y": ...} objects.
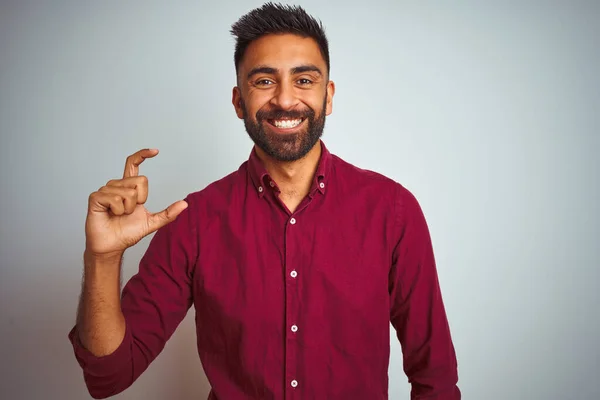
[{"x": 487, "y": 111}]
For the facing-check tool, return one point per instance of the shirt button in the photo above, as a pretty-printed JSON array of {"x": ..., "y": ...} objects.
[
  {"x": 272, "y": 184},
  {"x": 293, "y": 221},
  {"x": 294, "y": 328},
  {"x": 294, "y": 383},
  {"x": 321, "y": 185},
  {"x": 260, "y": 189},
  {"x": 293, "y": 274}
]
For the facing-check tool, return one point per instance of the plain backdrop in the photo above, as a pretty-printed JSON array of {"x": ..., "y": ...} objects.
[{"x": 489, "y": 112}]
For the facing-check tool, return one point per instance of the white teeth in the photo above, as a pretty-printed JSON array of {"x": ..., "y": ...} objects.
[{"x": 287, "y": 123}]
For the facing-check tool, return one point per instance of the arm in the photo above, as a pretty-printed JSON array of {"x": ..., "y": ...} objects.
[
  {"x": 100, "y": 321},
  {"x": 417, "y": 309},
  {"x": 115, "y": 340}
]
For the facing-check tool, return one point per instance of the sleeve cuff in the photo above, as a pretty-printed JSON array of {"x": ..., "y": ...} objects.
[{"x": 104, "y": 365}]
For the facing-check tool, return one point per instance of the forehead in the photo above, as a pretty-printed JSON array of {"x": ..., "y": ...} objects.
[{"x": 282, "y": 51}]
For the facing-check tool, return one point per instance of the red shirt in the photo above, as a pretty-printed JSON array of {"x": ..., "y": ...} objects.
[{"x": 290, "y": 305}]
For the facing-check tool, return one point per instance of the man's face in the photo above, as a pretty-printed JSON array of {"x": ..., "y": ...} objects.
[{"x": 283, "y": 95}]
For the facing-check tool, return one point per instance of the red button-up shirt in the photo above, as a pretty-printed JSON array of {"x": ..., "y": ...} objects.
[{"x": 290, "y": 305}]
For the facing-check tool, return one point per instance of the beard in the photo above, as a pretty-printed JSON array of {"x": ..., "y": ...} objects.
[{"x": 285, "y": 147}]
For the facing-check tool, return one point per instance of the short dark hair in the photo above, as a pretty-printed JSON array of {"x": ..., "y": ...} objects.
[{"x": 276, "y": 19}]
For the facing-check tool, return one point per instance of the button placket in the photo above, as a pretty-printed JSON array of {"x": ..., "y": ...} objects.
[{"x": 292, "y": 234}]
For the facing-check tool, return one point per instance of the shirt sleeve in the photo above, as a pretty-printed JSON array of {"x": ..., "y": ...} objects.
[
  {"x": 417, "y": 309},
  {"x": 154, "y": 302}
]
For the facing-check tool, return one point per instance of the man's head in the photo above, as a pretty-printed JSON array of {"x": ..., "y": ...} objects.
[{"x": 283, "y": 90}]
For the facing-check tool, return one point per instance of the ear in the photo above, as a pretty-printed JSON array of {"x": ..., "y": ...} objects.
[
  {"x": 330, "y": 93},
  {"x": 236, "y": 100}
]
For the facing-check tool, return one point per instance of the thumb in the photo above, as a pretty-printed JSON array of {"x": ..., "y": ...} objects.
[{"x": 162, "y": 218}]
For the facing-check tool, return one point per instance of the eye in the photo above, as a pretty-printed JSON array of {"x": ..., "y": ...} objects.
[
  {"x": 304, "y": 81},
  {"x": 263, "y": 82}
]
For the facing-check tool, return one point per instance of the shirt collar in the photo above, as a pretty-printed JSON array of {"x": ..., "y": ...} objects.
[{"x": 262, "y": 181}]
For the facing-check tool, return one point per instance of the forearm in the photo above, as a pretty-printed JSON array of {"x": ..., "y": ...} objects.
[{"x": 100, "y": 321}]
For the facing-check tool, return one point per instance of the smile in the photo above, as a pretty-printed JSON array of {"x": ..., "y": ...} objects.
[{"x": 285, "y": 123}]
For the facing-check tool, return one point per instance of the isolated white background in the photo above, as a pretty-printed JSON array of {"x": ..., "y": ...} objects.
[{"x": 487, "y": 111}]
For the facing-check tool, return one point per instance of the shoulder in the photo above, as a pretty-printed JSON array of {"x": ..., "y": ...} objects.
[
  {"x": 223, "y": 186},
  {"x": 356, "y": 178},
  {"x": 219, "y": 193},
  {"x": 353, "y": 179}
]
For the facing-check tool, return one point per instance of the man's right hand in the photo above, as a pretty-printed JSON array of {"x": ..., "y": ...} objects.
[{"x": 117, "y": 218}]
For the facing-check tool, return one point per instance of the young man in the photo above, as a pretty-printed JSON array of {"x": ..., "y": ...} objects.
[{"x": 295, "y": 263}]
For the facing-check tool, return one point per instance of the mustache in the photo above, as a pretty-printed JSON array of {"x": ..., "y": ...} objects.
[{"x": 262, "y": 115}]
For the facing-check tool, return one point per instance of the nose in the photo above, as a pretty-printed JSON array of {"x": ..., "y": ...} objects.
[{"x": 285, "y": 96}]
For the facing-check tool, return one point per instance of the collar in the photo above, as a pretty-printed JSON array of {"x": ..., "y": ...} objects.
[{"x": 262, "y": 181}]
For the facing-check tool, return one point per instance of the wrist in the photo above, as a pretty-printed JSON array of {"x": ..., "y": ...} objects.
[{"x": 95, "y": 259}]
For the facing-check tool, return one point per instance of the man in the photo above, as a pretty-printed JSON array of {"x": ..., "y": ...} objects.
[{"x": 295, "y": 263}]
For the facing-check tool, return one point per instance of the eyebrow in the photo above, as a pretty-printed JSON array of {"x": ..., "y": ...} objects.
[
  {"x": 306, "y": 68},
  {"x": 263, "y": 69}
]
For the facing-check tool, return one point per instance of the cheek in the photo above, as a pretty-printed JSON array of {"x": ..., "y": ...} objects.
[
  {"x": 316, "y": 100},
  {"x": 255, "y": 102}
]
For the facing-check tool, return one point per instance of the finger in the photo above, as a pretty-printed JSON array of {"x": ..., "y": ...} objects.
[
  {"x": 133, "y": 161},
  {"x": 139, "y": 183},
  {"x": 128, "y": 195},
  {"x": 103, "y": 202},
  {"x": 160, "y": 219}
]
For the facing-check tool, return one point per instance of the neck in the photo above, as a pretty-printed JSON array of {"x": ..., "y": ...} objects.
[{"x": 294, "y": 178}]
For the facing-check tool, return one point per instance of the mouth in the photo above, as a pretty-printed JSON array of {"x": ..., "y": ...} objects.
[{"x": 286, "y": 124}]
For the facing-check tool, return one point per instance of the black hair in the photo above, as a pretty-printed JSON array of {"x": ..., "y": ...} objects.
[{"x": 276, "y": 19}]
